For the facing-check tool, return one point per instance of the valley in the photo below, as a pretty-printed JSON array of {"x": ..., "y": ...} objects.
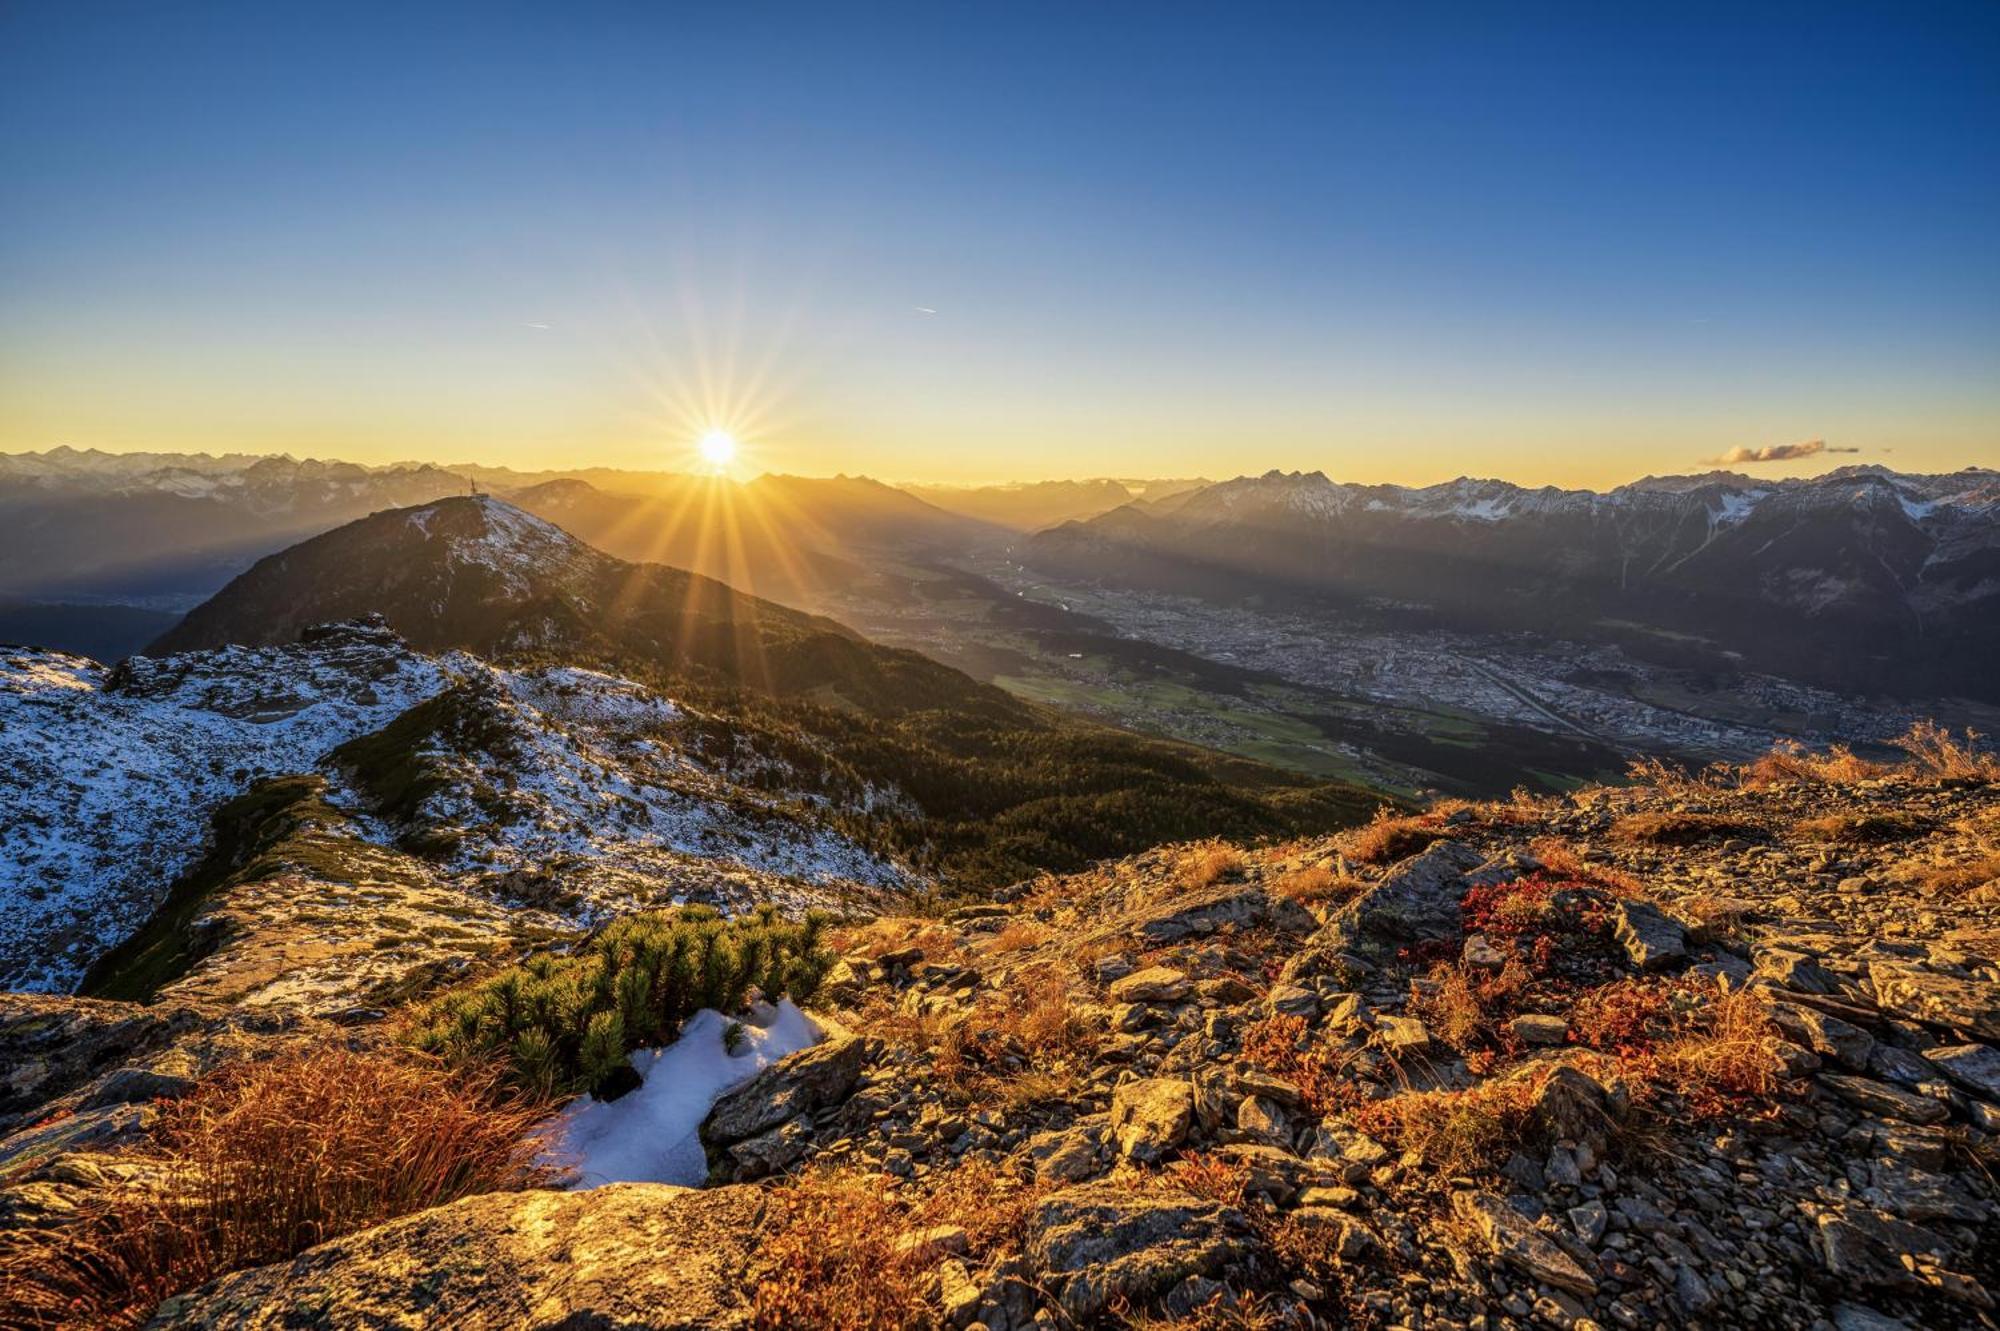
[{"x": 1360, "y": 694}]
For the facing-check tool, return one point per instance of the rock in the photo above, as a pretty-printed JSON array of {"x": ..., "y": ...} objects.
[
  {"x": 1069, "y": 1155},
  {"x": 771, "y": 1152},
  {"x": 1113, "y": 967},
  {"x": 1589, "y": 1221},
  {"x": 926, "y": 1246},
  {"x": 1151, "y": 1116},
  {"x": 1568, "y": 1104},
  {"x": 1533, "y": 1028},
  {"x": 1879, "y": 1097},
  {"x": 1793, "y": 968},
  {"x": 1854, "y": 1317},
  {"x": 1825, "y": 1034},
  {"x": 1343, "y": 1235},
  {"x": 1651, "y": 940},
  {"x": 1512, "y": 1237},
  {"x": 1416, "y": 900},
  {"x": 625, "y": 1255},
  {"x": 132, "y": 1085},
  {"x": 1481, "y": 953},
  {"x": 1402, "y": 1035},
  {"x": 1203, "y": 912},
  {"x": 1937, "y": 1000},
  {"x": 801, "y": 1083},
  {"x": 1155, "y": 984},
  {"x": 1870, "y": 1247},
  {"x": 1262, "y": 1121},
  {"x": 1976, "y": 1067},
  {"x": 1103, "y": 1243},
  {"x": 1292, "y": 1000}
]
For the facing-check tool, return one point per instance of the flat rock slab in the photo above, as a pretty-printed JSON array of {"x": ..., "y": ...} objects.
[
  {"x": 1938, "y": 1000},
  {"x": 1151, "y": 1116},
  {"x": 634, "y": 1256},
  {"x": 1976, "y": 1067},
  {"x": 1513, "y": 1238},
  {"x": 1155, "y": 984},
  {"x": 1104, "y": 1242},
  {"x": 802, "y": 1083},
  {"x": 1650, "y": 939},
  {"x": 1418, "y": 899}
]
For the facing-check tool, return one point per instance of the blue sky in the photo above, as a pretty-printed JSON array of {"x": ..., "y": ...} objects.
[{"x": 1555, "y": 242}]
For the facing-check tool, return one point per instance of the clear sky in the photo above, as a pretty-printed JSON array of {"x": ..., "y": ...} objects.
[{"x": 1553, "y": 242}]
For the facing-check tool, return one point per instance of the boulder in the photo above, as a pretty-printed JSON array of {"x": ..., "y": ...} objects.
[
  {"x": 1155, "y": 984},
  {"x": 629, "y": 1255},
  {"x": 1536, "y": 1028},
  {"x": 801, "y": 1083},
  {"x": 1103, "y": 1243},
  {"x": 1937, "y": 1000},
  {"x": 1651, "y": 940},
  {"x": 1068, "y": 1155},
  {"x": 771, "y": 1152},
  {"x": 1415, "y": 901},
  {"x": 1151, "y": 1116},
  {"x": 1879, "y": 1097},
  {"x": 1510, "y": 1236},
  {"x": 1976, "y": 1067}
]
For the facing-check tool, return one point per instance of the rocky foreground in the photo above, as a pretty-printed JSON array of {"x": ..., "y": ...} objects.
[{"x": 1719, "y": 1054}]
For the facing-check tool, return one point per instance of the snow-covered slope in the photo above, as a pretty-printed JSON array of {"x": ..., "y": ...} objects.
[{"x": 575, "y": 790}]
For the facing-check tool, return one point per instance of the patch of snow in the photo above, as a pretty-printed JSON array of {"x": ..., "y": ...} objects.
[
  {"x": 110, "y": 779},
  {"x": 652, "y": 1134},
  {"x": 1917, "y": 510},
  {"x": 1733, "y": 506},
  {"x": 1487, "y": 509}
]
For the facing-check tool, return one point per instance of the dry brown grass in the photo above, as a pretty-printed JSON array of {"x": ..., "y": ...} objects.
[
  {"x": 1718, "y": 919},
  {"x": 1560, "y": 858},
  {"x": 1018, "y": 937},
  {"x": 1226, "y": 1311},
  {"x": 1790, "y": 761},
  {"x": 1936, "y": 752},
  {"x": 1673, "y": 779},
  {"x": 1954, "y": 880},
  {"x": 1029, "y": 1045},
  {"x": 1316, "y": 885},
  {"x": 1459, "y": 1132},
  {"x": 1677, "y": 828},
  {"x": 1861, "y": 829},
  {"x": 264, "y": 1160},
  {"x": 1390, "y": 836},
  {"x": 1286, "y": 1048},
  {"x": 1210, "y": 863},
  {"x": 832, "y": 1258},
  {"x": 1728, "y": 1053}
]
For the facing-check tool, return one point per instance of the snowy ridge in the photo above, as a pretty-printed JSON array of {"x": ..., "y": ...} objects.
[
  {"x": 114, "y": 775},
  {"x": 1732, "y": 498},
  {"x": 111, "y": 779}
]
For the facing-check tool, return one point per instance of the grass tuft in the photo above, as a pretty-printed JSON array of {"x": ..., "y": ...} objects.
[{"x": 264, "y": 1160}]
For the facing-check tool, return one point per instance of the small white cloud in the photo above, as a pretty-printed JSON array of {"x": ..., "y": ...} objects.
[
  {"x": 925, "y": 309},
  {"x": 1778, "y": 453},
  {"x": 544, "y": 327}
]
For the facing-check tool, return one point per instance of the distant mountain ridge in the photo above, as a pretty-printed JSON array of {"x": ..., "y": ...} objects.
[
  {"x": 992, "y": 787},
  {"x": 1870, "y": 578}
]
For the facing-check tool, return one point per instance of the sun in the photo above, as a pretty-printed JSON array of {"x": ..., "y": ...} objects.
[{"x": 718, "y": 448}]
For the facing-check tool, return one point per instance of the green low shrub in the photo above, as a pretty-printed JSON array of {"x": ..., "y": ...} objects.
[{"x": 563, "y": 1024}]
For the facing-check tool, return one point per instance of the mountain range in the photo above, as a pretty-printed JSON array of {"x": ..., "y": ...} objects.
[
  {"x": 1863, "y": 578},
  {"x": 506, "y": 711}
]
